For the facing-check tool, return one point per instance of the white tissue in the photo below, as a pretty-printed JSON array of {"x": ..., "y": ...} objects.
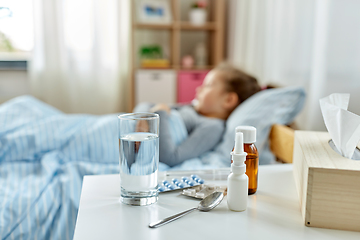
[{"x": 342, "y": 125}]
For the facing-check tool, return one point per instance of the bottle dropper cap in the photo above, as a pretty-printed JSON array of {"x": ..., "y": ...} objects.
[
  {"x": 249, "y": 133},
  {"x": 238, "y": 155}
]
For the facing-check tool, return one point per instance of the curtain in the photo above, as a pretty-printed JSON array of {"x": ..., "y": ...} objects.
[
  {"x": 81, "y": 59},
  {"x": 309, "y": 43}
]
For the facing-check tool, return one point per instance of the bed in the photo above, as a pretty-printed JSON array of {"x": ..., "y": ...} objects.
[{"x": 45, "y": 153}]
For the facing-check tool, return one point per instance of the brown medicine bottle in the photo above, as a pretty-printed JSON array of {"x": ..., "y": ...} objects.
[{"x": 252, "y": 158}]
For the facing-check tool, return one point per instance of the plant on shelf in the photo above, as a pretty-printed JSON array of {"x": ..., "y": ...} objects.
[
  {"x": 151, "y": 52},
  {"x": 152, "y": 57},
  {"x": 199, "y": 4},
  {"x": 198, "y": 14}
]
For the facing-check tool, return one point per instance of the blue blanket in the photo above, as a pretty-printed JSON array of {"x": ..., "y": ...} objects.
[{"x": 44, "y": 155}]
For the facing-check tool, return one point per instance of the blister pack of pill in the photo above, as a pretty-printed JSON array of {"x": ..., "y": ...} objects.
[
  {"x": 202, "y": 191},
  {"x": 180, "y": 183}
]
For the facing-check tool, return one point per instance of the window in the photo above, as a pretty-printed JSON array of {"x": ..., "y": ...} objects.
[{"x": 16, "y": 30}]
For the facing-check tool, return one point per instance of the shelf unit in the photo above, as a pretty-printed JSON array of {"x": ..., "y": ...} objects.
[{"x": 214, "y": 29}]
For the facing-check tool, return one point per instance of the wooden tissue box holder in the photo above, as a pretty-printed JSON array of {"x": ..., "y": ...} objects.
[{"x": 327, "y": 183}]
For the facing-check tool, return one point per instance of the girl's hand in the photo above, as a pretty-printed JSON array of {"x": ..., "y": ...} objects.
[{"x": 160, "y": 107}]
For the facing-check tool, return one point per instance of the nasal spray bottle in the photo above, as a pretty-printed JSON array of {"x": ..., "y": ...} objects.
[
  {"x": 237, "y": 191},
  {"x": 252, "y": 158}
]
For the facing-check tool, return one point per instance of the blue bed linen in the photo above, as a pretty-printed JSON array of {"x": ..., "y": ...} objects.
[{"x": 44, "y": 155}]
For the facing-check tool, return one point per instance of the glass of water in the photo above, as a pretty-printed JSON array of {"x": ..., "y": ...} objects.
[{"x": 139, "y": 158}]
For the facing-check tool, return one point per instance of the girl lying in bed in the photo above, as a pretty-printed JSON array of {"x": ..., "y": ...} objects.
[{"x": 223, "y": 89}]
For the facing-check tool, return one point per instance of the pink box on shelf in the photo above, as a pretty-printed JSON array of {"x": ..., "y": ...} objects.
[{"x": 188, "y": 81}]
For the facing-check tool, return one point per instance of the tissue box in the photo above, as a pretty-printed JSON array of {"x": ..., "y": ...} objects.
[{"x": 327, "y": 183}]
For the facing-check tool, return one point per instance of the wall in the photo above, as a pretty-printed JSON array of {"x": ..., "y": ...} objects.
[{"x": 13, "y": 83}]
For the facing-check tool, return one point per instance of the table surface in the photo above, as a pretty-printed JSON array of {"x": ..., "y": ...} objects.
[{"x": 273, "y": 213}]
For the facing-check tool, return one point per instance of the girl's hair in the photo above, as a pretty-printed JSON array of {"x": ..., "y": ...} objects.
[{"x": 243, "y": 84}]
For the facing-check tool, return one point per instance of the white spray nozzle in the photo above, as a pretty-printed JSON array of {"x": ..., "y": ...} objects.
[
  {"x": 239, "y": 145},
  {"x": 238, "y": 155}
]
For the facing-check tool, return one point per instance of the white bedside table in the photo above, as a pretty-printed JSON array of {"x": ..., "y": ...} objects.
[{"x": 273, "y": 213}]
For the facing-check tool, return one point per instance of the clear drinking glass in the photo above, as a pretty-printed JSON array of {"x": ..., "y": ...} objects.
[{"x": 139, "y": 158}]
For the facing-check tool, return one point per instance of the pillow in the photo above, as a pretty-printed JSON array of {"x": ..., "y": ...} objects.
[{"x": 262, "y": 110}]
